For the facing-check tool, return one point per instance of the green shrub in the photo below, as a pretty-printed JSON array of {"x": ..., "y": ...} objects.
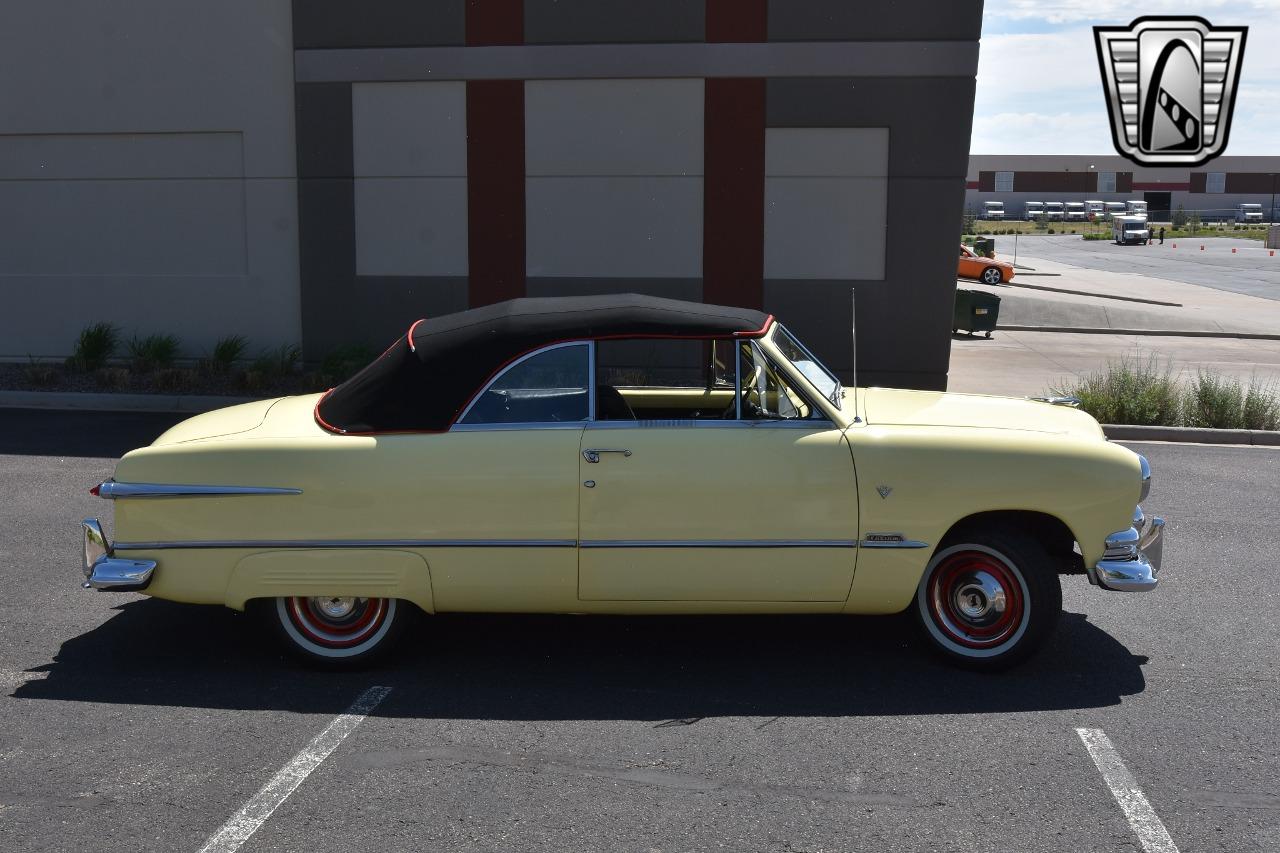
[
  {"x": 1261, "y": 406},
  {"x": 227, "y": 351},
  {"x": 344, "y": 362},
  {"x": 38, "y": 374},
  {"x": 1214, "y": 402},
  {"x": 154, "y": 352},
  {"x": 1180, "y": 218},
  {"x": 96, "y": 344},
  {"x": 1129, "y": 391},
  {"x": 282, "y": 361}
]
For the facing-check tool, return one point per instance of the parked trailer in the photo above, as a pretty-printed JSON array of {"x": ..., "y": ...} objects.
[
  {"x": 1115, "y": 208},
  {"x": 1034, "y": 210},
  {"x": 993, "y": 210},
  {"x": 1054, "y": 211},
  {"x": 1095, "y": 208},
  {"x": 1137, "y": 208},
  {"x": 1075, "y": 212}
]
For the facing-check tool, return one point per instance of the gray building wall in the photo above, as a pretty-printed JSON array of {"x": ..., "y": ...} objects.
[{"x": 147, "y": 172}]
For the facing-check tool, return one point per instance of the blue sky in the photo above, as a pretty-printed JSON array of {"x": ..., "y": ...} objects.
[{"x": 1038, "y": 86}]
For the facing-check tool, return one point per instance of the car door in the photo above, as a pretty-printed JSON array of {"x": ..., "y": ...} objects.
[
  {"x": 753, "y": 504},
  {"x": 969, "y": 266}
]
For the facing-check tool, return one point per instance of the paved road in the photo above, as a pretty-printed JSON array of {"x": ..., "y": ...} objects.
[
  {"x": 1251, "y": 270},
  {"x": 128, "y": 724}
]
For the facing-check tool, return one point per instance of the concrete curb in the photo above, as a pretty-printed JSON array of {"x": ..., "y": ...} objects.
[
  {"x": 1070, "y": 292},
  {"x": 105, "y": 402},
  {"x": 1194, "y": 435},
  {"x": 1160, "y": 333}
]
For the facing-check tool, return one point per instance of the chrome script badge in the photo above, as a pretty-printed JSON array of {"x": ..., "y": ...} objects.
[{"x": 1170, "y": 85}]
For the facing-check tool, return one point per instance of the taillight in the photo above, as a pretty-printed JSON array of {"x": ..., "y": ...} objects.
[{"x": 96, "y": 491}]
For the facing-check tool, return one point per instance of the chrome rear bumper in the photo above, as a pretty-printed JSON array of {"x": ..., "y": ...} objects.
[
  {"x": 1132, "y": 559},
  {"x": 103, "y": 570}
]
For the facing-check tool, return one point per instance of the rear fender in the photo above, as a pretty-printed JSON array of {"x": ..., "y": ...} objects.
[{"x": 364, "y": 573}]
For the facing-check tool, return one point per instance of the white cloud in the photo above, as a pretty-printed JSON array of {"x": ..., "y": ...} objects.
[
  {"x": 1045, "y": 87},
  {"x": 1071, "y": 11}
]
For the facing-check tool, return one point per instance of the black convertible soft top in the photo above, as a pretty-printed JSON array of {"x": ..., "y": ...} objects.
[{"x": 425, "y": 379}]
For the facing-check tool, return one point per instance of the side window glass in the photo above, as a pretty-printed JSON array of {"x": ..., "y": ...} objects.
[
  {"x": 548, "y": 387},
  {"x": 766, "y": 395},
  {"x": 663, "y": 379}
]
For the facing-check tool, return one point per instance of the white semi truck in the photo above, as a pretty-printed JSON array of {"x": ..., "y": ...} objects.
[
  {"x": 1137, "y": 208},
  {"x": 1035, "y": 210},
  {"x": 1115, "y": 208},
  {"x": 1075, "y": 212},
  {"x": 1095, "y": 209},
  {"x": 1054, "y": 211},
  {"x": 993, "y": 210}
]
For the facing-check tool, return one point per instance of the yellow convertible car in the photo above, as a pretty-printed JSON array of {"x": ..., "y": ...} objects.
[{"x": 625, "y": 455}]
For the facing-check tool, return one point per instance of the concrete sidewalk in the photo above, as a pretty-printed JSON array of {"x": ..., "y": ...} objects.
[
  {"x": 1201, "y": 309},
  {"x": 1031, "y": 363}
]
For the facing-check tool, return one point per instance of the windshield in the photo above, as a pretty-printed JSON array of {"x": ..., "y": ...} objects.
[
  {"x": 808, "y": 365},
  {"x": 1134, "y": 226}
]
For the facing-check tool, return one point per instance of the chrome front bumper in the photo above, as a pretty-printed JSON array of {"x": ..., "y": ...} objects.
[
  {"x": 103, "y": 570},
  {"x": 1132, "y": 558}
]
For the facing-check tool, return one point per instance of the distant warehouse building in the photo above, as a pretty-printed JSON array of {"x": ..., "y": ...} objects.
[
  {"x": 326, "y": 171},
  {"x": 1216, "y": 190}
]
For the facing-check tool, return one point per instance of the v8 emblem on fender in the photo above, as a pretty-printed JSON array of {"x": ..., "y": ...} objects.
[{"x": 884, "y": 491}]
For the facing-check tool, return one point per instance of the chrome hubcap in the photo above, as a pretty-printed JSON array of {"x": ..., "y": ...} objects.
[
  {"x": 334, "y": 608},
  {"x": 980, "y": 598}
]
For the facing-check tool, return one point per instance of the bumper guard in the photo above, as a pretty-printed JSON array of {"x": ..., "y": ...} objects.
[
  {"x": 103, "y": 570},
  {"x": 1132, "y": 559}
]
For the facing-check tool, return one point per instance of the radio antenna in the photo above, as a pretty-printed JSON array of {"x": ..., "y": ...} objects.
[{"x": 853, "y": 335}]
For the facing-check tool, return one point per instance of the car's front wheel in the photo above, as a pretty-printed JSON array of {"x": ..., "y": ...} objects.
[
  {"x": 992, "y": 275},
  {"x": 337, "y": 631},
  {"x": 988, "y": 600}
]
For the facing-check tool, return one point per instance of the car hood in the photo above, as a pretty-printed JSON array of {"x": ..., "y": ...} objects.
[{"x": 891, "y": 406}]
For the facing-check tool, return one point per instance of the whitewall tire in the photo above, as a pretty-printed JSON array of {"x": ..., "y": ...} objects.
[{"x": 338, "y": 631}]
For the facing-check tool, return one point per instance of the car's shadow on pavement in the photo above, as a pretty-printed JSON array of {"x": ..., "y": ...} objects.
[{"x": 666, "y": 669}]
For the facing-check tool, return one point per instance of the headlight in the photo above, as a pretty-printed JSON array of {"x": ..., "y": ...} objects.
[{"x": 1146, "y": 477}]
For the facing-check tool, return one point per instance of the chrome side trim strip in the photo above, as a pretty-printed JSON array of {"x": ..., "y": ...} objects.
[
  {"x": 893, "y": 543},
  {"x": 347, "y": 543},
  {"x": 719, "y": 543},
  {"x": 112, "y": 489}
]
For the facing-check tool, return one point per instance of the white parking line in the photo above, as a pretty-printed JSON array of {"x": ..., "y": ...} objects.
[
  {"x": 255, "y": 812},
  {"x": 1144, "y": 820}
]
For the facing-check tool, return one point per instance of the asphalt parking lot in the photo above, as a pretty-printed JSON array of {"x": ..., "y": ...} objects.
[
  {"x": 133, "y": 724},
  {"x": 1251, "y": 270}
]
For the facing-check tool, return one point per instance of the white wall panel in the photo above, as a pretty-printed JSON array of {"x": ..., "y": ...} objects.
[
  {"x": 848, "y": 152},
  {"x": 825, "y": 228},
  {"x": 411, "y": 226},
  {"x": 409, "y": 129},
  {"x": 613, "y": 127},
  {"x": 623, "y": 227},
  {"x": 826, "y": 203}
]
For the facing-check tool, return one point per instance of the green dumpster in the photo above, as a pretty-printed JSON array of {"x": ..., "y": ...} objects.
[{"x": 976, "y": 311}]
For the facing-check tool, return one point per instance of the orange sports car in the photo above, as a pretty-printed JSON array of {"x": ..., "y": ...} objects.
[{"x": 985, "y": 270}]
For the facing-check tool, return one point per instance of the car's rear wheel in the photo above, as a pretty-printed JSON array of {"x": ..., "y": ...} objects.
[
  {"x": 992, "y": 275},
  {"x": 338, "y": 631},
  {"x": 988, "y": 600}
]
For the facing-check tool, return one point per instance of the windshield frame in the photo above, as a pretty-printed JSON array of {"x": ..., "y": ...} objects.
[{"x": 836, "y": 397}]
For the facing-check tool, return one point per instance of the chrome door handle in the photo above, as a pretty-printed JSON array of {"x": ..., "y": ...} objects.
[{"x": 594, "y": 454}]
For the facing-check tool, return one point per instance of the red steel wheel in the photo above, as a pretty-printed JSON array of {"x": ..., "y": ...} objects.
[
  {"x": 976, "y": 599},
  {"x": 337, "y": 629},
  {"x": 989, "y": 598}
]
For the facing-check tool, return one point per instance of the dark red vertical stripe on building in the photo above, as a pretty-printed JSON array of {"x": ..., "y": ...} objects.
[
  {"x": 495, "y": 162},
  {"x": 733, "y": 166}
]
